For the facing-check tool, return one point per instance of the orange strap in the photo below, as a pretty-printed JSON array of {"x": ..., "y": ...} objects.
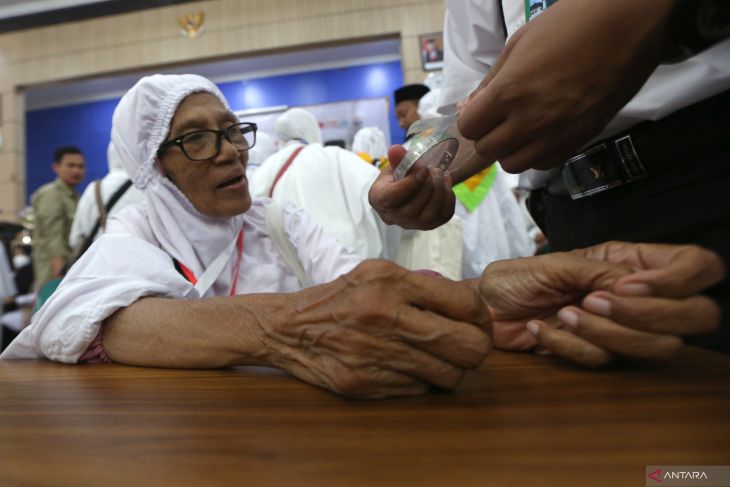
[{"x": 284, "y": 168}]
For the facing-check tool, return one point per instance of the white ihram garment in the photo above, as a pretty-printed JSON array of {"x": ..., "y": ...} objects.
[{"x": 330, "y": 183}]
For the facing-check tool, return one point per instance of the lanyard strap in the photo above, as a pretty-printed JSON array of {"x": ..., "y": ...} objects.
[
  {"x": 214, "y": 270},
  {"x": 284, "y": 168},
  {"x": 472, "y": 192},
  {"x": 239, "y": 246}
]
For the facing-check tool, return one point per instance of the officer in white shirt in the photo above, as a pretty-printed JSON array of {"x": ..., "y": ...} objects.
[{"x": 619, "y": 112}]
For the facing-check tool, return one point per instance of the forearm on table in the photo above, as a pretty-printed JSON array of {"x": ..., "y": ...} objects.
[{"x": 205, "y": 333}]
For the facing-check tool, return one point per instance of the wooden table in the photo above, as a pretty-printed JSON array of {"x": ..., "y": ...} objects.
[{"x": 520, "y": 420}]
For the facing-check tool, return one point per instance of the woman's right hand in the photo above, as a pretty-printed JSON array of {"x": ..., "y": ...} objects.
[
  {"x": 379, "y": 331},
  {"x": 422, "y": 200}
]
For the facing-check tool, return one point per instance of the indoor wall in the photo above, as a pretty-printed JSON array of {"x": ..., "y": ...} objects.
[{"x": 151, "y": 38}]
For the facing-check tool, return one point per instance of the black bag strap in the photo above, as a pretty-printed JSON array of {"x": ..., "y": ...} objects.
[{"x": 109, "y": 204}]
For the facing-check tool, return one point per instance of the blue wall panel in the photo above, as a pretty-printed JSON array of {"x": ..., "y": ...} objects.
[{"x": 87, "y": 125}]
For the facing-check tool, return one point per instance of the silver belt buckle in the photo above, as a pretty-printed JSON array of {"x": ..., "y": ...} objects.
[{"x": 603, "y": 167}]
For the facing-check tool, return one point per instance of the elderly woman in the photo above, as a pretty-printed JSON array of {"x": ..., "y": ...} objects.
[{"x": 172, "y": 282}]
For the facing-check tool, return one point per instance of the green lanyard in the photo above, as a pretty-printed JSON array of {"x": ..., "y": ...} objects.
[{"x": 472, "y": 197}]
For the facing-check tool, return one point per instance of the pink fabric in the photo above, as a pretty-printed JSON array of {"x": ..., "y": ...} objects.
[
  {"x": 429, "y": 272},
  {"x": 95, "y": 354}
]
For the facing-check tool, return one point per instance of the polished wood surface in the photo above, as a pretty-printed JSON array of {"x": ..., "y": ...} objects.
[{"x": 519, "y": 420}]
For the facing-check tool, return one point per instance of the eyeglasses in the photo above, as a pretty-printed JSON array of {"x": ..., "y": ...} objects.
[{"x": 202, "y": 145}]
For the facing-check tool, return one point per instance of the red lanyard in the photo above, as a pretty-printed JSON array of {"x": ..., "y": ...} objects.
[
  {"x": 284, "y": 168},
  {"x": 194, "y": 280}
]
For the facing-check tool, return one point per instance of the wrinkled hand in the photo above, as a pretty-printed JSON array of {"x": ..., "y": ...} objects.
[
  {"x": 519, "y": 291},
  {"x": 631, "y": 300},
  {"x": 561, "y": 79},
  {"x": 380, "y": 331},
  {"x": 422, "y": 200}
]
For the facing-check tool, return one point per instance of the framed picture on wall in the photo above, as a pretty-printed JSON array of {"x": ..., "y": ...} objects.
[{"x": 432, "y": 51}]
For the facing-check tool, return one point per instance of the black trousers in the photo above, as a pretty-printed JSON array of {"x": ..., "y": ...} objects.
[{"x": 687, "y": 204}]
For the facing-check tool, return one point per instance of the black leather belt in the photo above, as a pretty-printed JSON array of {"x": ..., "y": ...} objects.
[{"x": 647, "y": 149}]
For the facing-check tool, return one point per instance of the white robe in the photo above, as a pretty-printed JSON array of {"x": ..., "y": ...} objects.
[
  {"x": 332, "y": 185},
  {"x": 127, "y": 264},
  {"x": 87, "y": 213},
  {"x": 495, "y": 230}
]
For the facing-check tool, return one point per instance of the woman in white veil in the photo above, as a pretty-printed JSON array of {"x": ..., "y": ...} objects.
[
  {"x": 202, "y": 276},
  {"x": 329, "y": 182}
]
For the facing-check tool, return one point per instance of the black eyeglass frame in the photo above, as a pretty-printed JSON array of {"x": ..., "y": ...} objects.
[{"x": 245, "y": 128}]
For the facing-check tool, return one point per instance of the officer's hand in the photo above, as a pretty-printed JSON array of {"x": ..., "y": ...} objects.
[
  {"x": 562, "y": 78},
  {"x": 642, "y": 314},
  {"x": 422, "y": 200}
]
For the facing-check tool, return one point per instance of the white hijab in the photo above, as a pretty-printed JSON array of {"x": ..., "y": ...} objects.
[
  {"x": 265, "y": 146},
  {"x": 298, "y": 124},
  {"x": 113, "y": 160},
  {"x": 371, "y": 141},
  {"x": 141, "y": 122}
]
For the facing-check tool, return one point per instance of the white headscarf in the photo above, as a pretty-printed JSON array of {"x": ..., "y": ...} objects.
[
  {"x": 140, "y": 124},
  {"x": 298, "y": 124},
  {"x": 113, "y": 159},
  {"x": 265, "y": 146},
  {"x": 371, "y": 141}
]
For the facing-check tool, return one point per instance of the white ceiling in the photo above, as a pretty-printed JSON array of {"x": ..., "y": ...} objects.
[
  {"x": 220, "y": 71},
  {"x": 16, "y": 8}
]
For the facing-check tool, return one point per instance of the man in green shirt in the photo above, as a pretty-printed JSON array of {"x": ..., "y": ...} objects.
[{"x": 54, "y": 205}]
